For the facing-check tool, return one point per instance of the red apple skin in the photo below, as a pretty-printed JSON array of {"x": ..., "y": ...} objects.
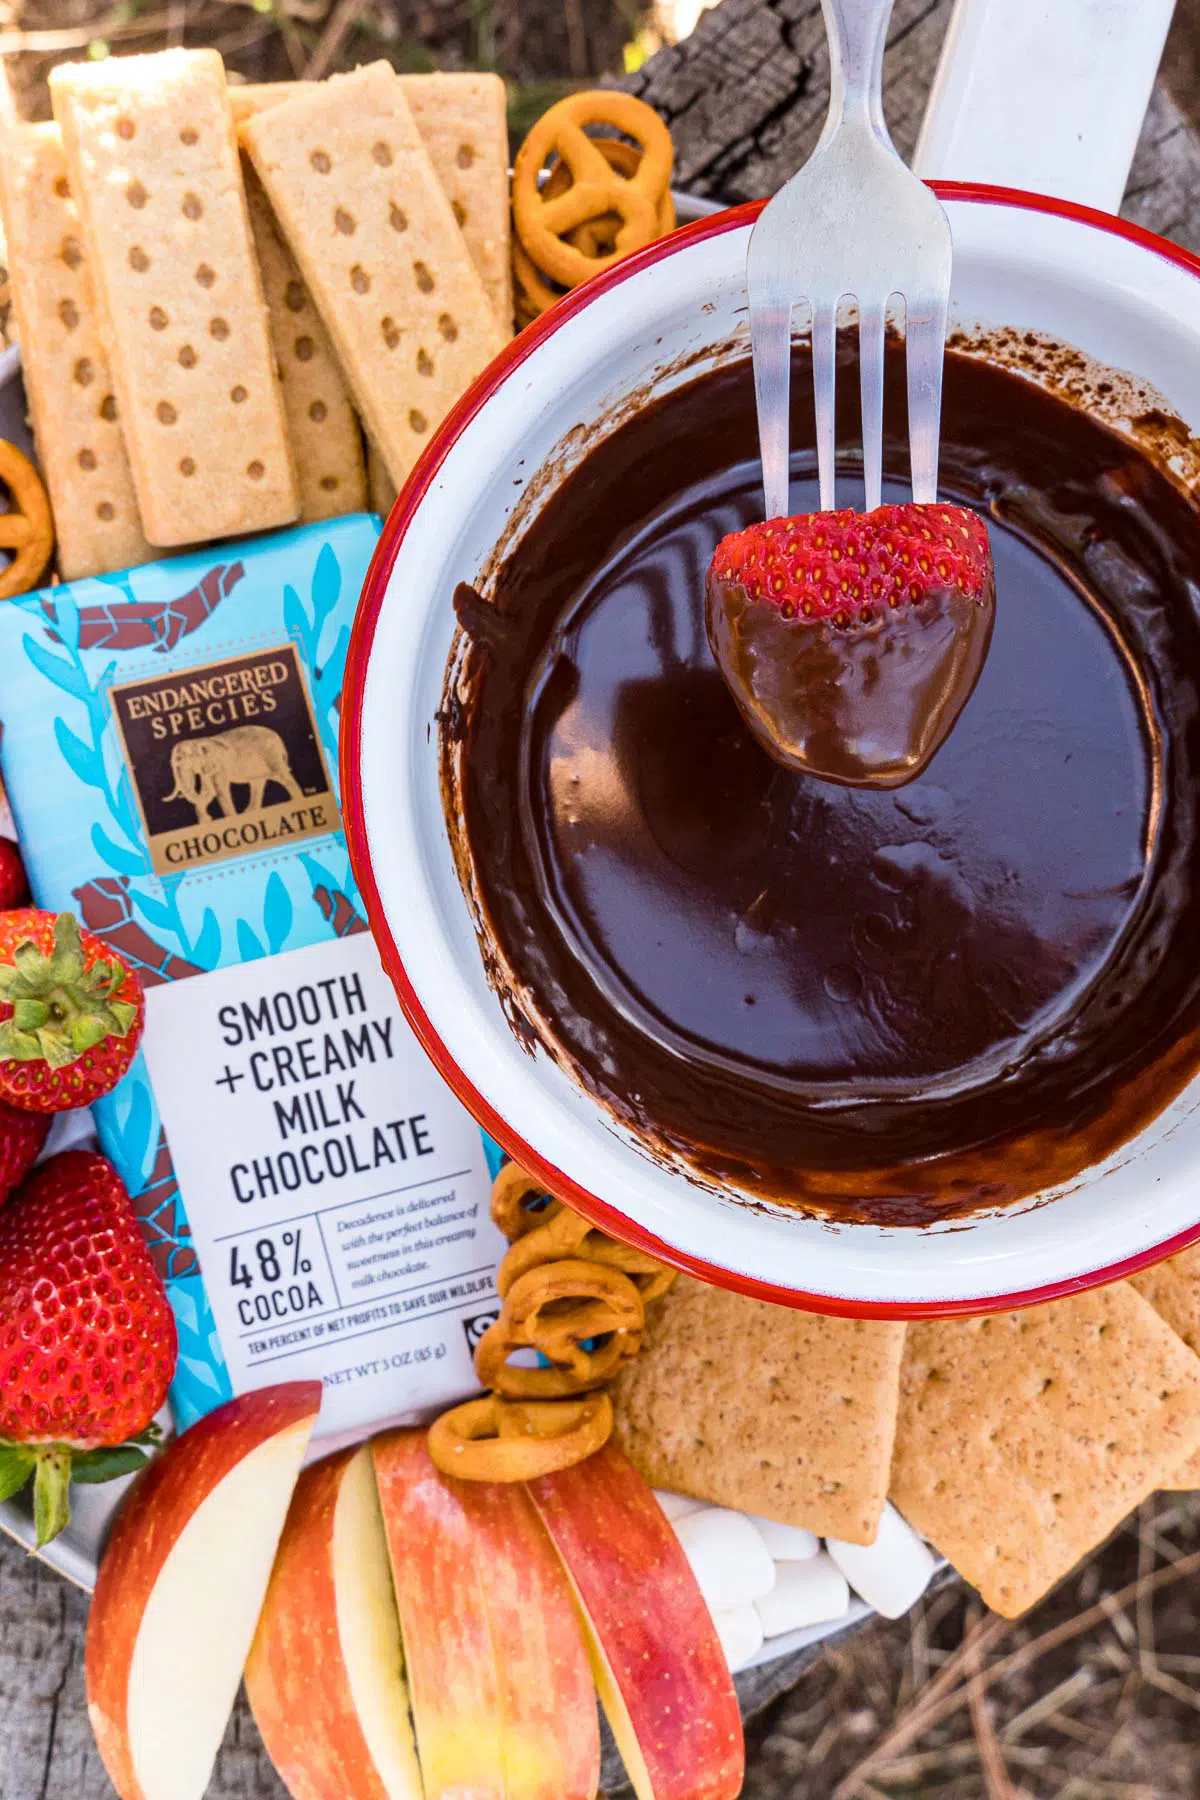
[
  {"x": 158, "y": 1507},
  {"x": 452, "y": 1674},
  {"x": 547, "y": 1695},
  {"x": 301, "y": 1697},
  {"x": 652, "y": 1623}
]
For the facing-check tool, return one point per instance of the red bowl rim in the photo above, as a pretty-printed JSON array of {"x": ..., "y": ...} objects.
[{"x": 362, "y": 638}]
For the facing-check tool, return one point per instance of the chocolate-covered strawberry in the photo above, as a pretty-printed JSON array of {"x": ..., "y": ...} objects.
[
  {"x": 87, "y": 1336},
  {"x": 852, "y": 641},
  {"x": 71, "y": 1012}
]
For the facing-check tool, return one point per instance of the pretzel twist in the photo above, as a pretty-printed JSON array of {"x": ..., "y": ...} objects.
[
  {"x": 491, "y": 1439},
  {"x": 585, "y": 1320},
  {"x": 28, "y": 529},
  {"x": 544, "y": 221},
  {"x": 555, "y": 1231}
]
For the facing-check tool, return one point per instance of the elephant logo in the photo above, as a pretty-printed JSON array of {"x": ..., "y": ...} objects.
[
  {"x": 226, "y": 759},
  {"x": 207, "y": 769}
]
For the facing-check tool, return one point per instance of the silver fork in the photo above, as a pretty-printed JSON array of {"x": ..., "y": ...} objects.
[{"x": 853, "y": 220}]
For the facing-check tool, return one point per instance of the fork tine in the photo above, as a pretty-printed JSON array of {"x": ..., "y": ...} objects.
[
  {"x": 870, "y": 364},
  {"x": 771, "y": 345},
  {"x": 824, "y": 357},
  {"x": 925, "y": 343}
]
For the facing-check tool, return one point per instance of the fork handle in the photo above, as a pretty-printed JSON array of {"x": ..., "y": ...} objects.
[{"x": 857, "y": 32}]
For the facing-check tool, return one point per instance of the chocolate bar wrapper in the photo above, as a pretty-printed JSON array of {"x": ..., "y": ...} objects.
[{"x": 311, "y": 1191}]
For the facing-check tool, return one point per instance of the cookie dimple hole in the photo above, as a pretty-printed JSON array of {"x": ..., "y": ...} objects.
[
  {"x": 237, "y": 394},
  {"x": 424, "y": 363},
  {"x": 316, "y": 411},
  {"x": 136, "y": 195},
  {"x": 126, "y": 129},
  {"x": 459, "y": 211},
  {"x": 187, "y": 357},
  {"x": 218, "y": 328},
  {"x": 72, "y": 252},
  {"x": 293, "y": 296},
  {"x": 187, "y": 465},
  {"x": 108, "y": 409},
  {"x": 192, "y": 207},
  {"x": 397, "y": 219},
  {"x": 390, "y": 330},
  {"x": 165, "y": 413},
  {"x": 62, "y": 188},
  {"x": 417, "y": 420},
  {"x": 138, "y": 259},
  {"x": 329, "y": 483},
  {"x": 189, "y": 136},
  {"x": 84, "y": 373},
  {"x": 68, "y": 312},
  {"x": 423, "y": 276},
  {"x": 466, "y": 155},
  {"x": 304, "y": 348},
  {"x": 345, "y": 222},
  {"x": 204, "y": 275},
  {"x": 106, "y": 511},
  {"x": 86, "y": 459},
  {"x": 448, "y": 328},
  {"x": 158, "y": 319},
  {"x": 255, "y": 470},
  {"x": 360, "y": 281},
  {"x": 382, "y": 153},
  {"x": 320, "y": 162}
]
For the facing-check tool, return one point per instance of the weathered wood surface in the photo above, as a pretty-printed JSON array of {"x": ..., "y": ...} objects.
[{"x": 745, "y": 98}]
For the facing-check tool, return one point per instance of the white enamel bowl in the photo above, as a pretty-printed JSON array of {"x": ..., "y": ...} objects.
[{"x": 1125, "y": 298}]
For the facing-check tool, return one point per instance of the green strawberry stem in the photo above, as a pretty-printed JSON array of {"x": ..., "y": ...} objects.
[
  {"x": 55, "y": 1466},
  {"x": 61, "y": 1008}
]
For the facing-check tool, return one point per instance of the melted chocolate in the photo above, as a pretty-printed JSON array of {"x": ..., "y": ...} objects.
[
  {"x": 866, "y": 704},
  {"x": 884, "y": 1004}
]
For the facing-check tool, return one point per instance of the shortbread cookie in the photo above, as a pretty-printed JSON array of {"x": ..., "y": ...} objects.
[
  {"x": 1026, "y": 1437},
  {"x": 322, "y": 424},
  {"x": 764, "y": 1409},
  {"x": 79, "y": 442},
  {"x": 461, "y": 119},
  {"x": 153, "y": 164},
  {"x": 363, "y": 212}
]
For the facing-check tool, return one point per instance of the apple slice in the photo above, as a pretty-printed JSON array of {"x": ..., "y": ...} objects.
[
  {"x": 655, "y": 1654},
  {"x": 501, "y": 1690},
  {"x": 325, "y": 1675},
  {"x": 180, "y": 1589}
]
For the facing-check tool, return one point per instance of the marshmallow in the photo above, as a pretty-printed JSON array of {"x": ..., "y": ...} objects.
[
  {"x": 731, "y": 1563},
  {"x": 805, "y": 1593},
  {"x": 740, "y": 1631},
  {"x": 677, "y": 1506},
  {"x": 892, "y": 1573},
  {"x": 787, "y": 1543}
]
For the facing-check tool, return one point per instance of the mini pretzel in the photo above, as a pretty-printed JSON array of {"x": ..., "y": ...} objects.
[
  {"x": 561, "y": 1308},
  {"x": 511, "y": 1190},
  {"x": 29, "y": 529},
  {"x": 500, "y": 1440},
  {"x": 596, "y": 188}
]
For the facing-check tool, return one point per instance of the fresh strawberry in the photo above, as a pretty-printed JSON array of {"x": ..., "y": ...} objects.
[
  {"x": 14, "y": 888},
  {"x": 71, "y": 1012},
  {"x": 852, "y": 641},
  {"x": 22, "y": 1135},
  {"x": 87, "y": 1337}
]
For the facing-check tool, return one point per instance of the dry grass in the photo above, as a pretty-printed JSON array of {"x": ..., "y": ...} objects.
[{"x": 1094, "y": 1696}]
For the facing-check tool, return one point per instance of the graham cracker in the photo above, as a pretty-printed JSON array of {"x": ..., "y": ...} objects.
[
  {"x": 463, "y": 125},
  {"x": 1025, "y": 1438},
  {"x": 80, "y": 448},
  {"x": 379, "y": 485},
  {"x": 322, "y": 423},
  {"x": 1173, "y": 1290},
  {"x": 153, "y": 164},
  {"x": 365, "y": 217},
  {"x": 763, "y": 1408}
]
